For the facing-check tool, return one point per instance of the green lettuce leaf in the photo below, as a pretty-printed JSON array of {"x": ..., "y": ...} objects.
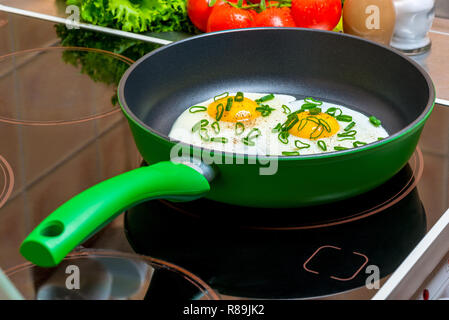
[{"x": 136, "y": 16}]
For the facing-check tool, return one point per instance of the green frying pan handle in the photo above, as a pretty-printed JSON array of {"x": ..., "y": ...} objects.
[{"x": 89, "y": 211}]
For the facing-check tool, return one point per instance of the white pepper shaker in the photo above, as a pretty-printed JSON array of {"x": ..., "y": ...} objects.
[{"x": 413, "y": 21}]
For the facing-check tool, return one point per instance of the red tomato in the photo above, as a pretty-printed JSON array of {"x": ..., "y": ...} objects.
[
  {"x": 225, "y": 17},
  {"x": 199, "y": 12},
  {"x": 316, "y": 14},
  {"x": 274, "y": 17}
]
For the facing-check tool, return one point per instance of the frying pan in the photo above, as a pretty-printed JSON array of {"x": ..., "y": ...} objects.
[{"x": 336, "y": 68}]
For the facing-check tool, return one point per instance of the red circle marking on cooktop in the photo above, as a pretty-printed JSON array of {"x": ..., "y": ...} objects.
[
  {"x": 30, "y": 122},
  {"x": 6, "y": 181}
]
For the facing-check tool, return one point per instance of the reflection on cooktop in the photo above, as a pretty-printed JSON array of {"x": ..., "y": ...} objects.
[{"x": 217, "y": 243}]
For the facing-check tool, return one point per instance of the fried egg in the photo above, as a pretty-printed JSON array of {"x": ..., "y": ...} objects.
[{"x": 274, "y": 124}]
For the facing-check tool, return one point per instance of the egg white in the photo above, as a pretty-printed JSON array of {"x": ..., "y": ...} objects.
[{"x": 268, "y": 143}]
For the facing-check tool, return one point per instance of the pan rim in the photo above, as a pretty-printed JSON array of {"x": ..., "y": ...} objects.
[{"x": 421, "y": 119}]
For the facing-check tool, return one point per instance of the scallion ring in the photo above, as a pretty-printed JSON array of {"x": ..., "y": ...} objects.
[
  {"x": 325, "y": 125},
  {"x": 221, "y": 140},
  {"x": 265, "y": 110},
  {"x": 322, "y": 145},
  {"x": 348, "y": 138},
  {"x": 283, "y": 137},
  {"x": 220, "y": 110},
  {"x": 265, "y": 98},
  {"x": 359, "y": 144},
  {"x": 239, "y": 128},
  {"x": 320, "y": 132},
  {"x": 216, "y": 127},
  {"x": 292, "y": 153},
  {"x": 350, "y": 126},
  {"x": 221, "y": 96},
  {"x": 344, "y": 118},
  {"x": 301, "y": 145},
  {"x": 338, "y": 148},
  {"x": 196, "y": 109},
  {"x": 332, "y": 112},
  {"x": 199, "y": 124},
  {"x": 204, "y": 134},
  {"x": 376, "y": 122},
  {"x": 313, "y": 101},
  {"x": 350, "y": 133},
  {"x": 239, "y": 97},
  {"x": 308, "y": 106},
  {"x": 277, "y": 129},
  {"x": 286, "y": 109},
  {"x": 229, "y": 104},
  {"x": 315, "y": 111}
]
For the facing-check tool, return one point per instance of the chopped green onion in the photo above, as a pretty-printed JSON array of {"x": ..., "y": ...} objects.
[
  {"x": 313, "y": 119},
  {"x": 325, "y": 125},
  {"x": 344, "y": 118},
  {"x": 300, "y": 126},
  {"x": 293, "y": 153},
  {"x": 376, "y": 122},
  {"x": 290, "y": 123},
  {"x": 332, "y": 111},
  {"x": 283, "y": 137},
  {"x": 239, "y": 97},
  {"x": 315, "y": 111},
  {"x": 286, "y": 109},
  {"x": 322, "y": 145},
  {"x": 380, "y": 138},
  {"x": 239, "y": 128},
  {"x": 349, "y": 138},
  {"x": 301, "y": 145},
  {"x": 313, "y": 101},
  {"x": 359, "y": 144},
  {"x": 199, "y": 125},
  {"x": 350, "y": 126},
  {"x": 229, "y": 104},
  {"x": 276, "y": 129},
  {"x": 221, "y": 96},
  {"x": 220, "y": 110},
  {"x": 265, "y": 98},
  {"x": 221, "y": 140},
  {"x": 314, "y": 137},
  {"x": 308, "y": 106},
  {"x": 248, "y": 142},
  {"x": 338, "y": 148},
  {"x": 265, "y": 110},
  {"x": 204, "y": 134},
  {"x": 253, "y": 134},
  {"x": 350, "y": 133},
  {"x": 216, "y": 127},
  {"x": 196, "y": 109}
]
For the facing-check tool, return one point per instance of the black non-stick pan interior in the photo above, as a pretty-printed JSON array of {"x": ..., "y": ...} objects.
[{"x": 324, "y": 65}]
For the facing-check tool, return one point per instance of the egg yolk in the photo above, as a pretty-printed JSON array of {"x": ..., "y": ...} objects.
[
  {"x": 240, "y": 111},
  {"x": 314, "y": 127}
]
